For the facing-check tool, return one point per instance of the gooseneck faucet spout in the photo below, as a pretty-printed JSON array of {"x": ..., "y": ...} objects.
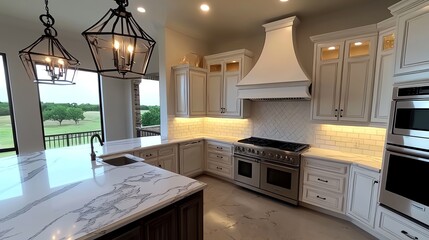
[{"x": 92, "y": 145}]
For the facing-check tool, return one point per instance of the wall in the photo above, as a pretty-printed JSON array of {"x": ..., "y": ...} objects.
[{"x": 290, "y": 121}]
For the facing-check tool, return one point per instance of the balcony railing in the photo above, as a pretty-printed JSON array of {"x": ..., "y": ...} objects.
[
  {"x": 148, "y": 131},
  {"x": 69, "y": 139}
]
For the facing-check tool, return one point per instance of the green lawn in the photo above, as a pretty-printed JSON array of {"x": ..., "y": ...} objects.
[{"x": 90, "y": 123}]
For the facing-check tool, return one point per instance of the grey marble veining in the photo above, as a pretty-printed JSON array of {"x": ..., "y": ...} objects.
[{"x": 61, "y": 194}]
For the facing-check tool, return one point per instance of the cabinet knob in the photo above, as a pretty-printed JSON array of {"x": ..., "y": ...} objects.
[
  {"x": 336, "y": 113},
  {"x": 341, "y": 114}
]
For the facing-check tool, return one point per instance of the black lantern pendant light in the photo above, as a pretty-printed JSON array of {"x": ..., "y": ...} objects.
[
  {"x": 46, "y": 60},
  {"x": 119, "y": 46}
]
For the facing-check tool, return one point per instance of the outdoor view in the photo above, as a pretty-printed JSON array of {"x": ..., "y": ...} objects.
[
  {"x": 7, "y": 146},
  {"x": 149, "y": 105}
]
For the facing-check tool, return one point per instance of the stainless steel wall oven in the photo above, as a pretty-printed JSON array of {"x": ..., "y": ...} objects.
[{"x": 405, "y": 177}]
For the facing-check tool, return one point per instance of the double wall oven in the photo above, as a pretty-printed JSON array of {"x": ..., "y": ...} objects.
[
  {"x": 269, "y": 166},
  {"x": 405, "y": 177}
]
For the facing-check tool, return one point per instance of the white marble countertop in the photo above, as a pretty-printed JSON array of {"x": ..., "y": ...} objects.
[
  {"x": 61, "y": 194},
  {"x": 365, "y": 161}
]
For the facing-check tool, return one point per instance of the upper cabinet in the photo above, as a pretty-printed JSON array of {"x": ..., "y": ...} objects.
[
  {"x": 383, "y": 82},
  {"x": 225, "y": 70},
  {"x": 343, "y": 74},
  {"x": 190, "y": 91},
  {"x": 412, "y": 50}
]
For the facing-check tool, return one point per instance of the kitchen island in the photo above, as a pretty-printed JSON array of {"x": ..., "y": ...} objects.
[{"x": 62, "y": 194}]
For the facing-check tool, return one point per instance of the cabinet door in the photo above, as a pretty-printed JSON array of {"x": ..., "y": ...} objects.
[
  {"x": 363, "y": 194},
  {"x": 214, "y": 93},
  {"x": 357, "y": 80},
  {"x": 197, "y": 96},
  {"x": 191, "y": 158},
  {"x": 168, "y": 163},
  {"x": 232, "y": 104},
  {"x": 327, "y": 80},
  {"x": 383, "y": 82},
  {"x": 412, "y": 51},
  {"x": 161, "y": 227},
  {"x": 181, "y": 92},
  {"x": 191, "y": 219}
]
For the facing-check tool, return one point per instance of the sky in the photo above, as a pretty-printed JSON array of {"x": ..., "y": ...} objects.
[{"x": 84, "y": 91}]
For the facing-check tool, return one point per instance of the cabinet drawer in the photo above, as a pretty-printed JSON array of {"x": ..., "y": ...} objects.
[
  {"x": 219, "y": 169},
  {"x": 153, "y": 162},
  {"x": 166, "y": 151},
  {"x": 220, "y": 157},
  {"x": 219, "y": 147},
  {"x": 148, "y": 154},
  {"x": 393, "y": 226},
  {"x": 329, "y": 166},
  {"x": 325, "y": 180},
  {"x": 330, "y": 201}
]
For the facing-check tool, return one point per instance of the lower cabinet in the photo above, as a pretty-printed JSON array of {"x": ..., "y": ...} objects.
[
  {"x": 394, "y": 227},
  {"x": 164, "y": 157},
  {"x": 363, "y": 195},
  {"x": 219, "y": 159},
  {"x": 324, "y": 184},
  {"x": 180, "y": 221}
]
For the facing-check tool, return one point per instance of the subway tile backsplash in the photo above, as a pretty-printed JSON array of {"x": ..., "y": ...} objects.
[{"x": 288, "y": 121}]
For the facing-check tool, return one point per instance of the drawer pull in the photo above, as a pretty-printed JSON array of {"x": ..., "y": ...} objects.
[
  {"x": 409, "y": 235},
  {"x": 319, "y": 197},
  {"x": 322, "y": 180},
  {"x": 218, "y": 168},
  {"x": 159, "y": 165},
  {"x": 219, "y": 156},
  {"x": 220, "y": 148}
]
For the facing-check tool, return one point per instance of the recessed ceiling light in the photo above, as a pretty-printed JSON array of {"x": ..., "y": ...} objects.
[
  {"x": 284, "y": 0},
  {"x": 204, "y": 7},
  {"x": 141, "y": 9},
  {"x": 358, "y": 43},
  {"x": 331, "y": 48}
]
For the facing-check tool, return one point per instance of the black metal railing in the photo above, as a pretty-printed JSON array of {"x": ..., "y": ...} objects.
[
  {"x": 148, "y": 131},
  {"x": 69, "y": 139}
]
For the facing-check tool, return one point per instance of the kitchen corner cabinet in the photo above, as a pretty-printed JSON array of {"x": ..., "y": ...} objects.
[
  {"x": 383, "y": 82},
  {"x": 363, "y": 195},
  {"x": 412, "y": 50},
  {"x": 190, "y": 91},
  {"x": 225, "y": 70},
  {"x": 191, "y": 158},
  {"x": 219, "y": 159},
  {"x": 164, "y": 157},
  {"x": 343, "y": 77},
  {"x": 324, "y": 184}
]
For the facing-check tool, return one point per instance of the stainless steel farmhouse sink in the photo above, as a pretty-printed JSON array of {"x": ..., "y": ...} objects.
[{"x": 121, "y": 160}]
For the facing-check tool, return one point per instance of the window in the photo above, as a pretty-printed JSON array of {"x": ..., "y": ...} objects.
[
  {"x": 148, "y": 109},
  {"x": 7, "y": 124},
  {"x": 71, "y": 113}
]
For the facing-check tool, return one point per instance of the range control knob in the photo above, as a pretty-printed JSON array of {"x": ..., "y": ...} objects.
[
  {"x": 281, "y": 157},
  {"x": 253, "y": 150},
  {"x": 277, "y": 156},
  {"x": 263, "y": 153},
  {"x": 257, "y": 152}
]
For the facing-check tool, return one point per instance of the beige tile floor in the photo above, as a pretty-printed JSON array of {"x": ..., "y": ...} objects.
[{"x": 231, "y": 212}]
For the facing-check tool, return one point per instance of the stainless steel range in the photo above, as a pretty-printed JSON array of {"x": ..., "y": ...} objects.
[{"x": 269, "y": 166}]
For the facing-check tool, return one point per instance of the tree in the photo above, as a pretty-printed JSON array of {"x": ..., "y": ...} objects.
[
  {"x": 75, "y": 114},
  {"x": 56, "y": 113},
  {"x": 152, "y": 117}
]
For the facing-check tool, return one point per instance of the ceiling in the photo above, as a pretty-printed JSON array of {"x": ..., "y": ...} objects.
[{"x": 226, "y": 18}]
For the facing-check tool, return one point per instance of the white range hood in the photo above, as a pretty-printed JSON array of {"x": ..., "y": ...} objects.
[{"x": 277, "y": 74}]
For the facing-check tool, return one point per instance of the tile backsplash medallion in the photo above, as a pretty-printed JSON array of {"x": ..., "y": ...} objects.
[{"x": 290, "y": 121}]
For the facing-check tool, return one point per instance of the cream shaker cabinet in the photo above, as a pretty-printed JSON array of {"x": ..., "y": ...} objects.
[
  {"x": 343, "y": 77},
  {"x": 412, "y": 50},
  {"x": 225, "y": 70},
  {"x": 191, "y": 158},
  {"x": 164, "y": 157},
  {"x": 383, "y": 82},
  {"x": 190, "y": 91},
  {"x": 363, "y": 195}
]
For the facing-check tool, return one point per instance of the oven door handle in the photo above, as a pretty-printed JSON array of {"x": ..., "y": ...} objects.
[
  {"x": 278, "y": 165},
  {"x": 240, "y": 157},
  {"x": 413, "y": 153}
]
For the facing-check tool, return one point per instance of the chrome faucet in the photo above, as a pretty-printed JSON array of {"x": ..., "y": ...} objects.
[{"x": 92, "y": 145}]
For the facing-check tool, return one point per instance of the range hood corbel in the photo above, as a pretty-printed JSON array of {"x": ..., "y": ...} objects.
[{"x": 277, "y": 74}]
